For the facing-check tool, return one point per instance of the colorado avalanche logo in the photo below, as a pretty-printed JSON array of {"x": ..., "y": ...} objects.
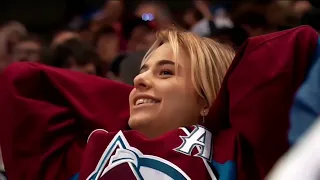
[{"x": 132, "y": 164}]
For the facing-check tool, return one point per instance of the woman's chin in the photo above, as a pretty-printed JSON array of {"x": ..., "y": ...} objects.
[{"x": 140, "y": 121}]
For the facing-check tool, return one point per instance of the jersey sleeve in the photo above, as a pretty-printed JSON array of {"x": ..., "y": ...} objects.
[{"x": 47, "y": 115}]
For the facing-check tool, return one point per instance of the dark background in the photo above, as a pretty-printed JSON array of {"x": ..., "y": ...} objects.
[{"x": 43, "y": 16}]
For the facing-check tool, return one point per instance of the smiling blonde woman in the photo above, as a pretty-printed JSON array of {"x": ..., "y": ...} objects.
[{"x": 180, "y": 77}]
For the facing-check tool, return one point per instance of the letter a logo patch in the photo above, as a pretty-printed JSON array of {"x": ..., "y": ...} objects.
[{"x": 200, "y": 138}]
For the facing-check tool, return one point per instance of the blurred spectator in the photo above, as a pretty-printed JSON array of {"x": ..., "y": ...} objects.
[
  {"x": 114, "y": 10},
  {"x": 10, "y": 34},
  {"x": 63, "y": 36},
  {"x": 300, "y": 7},
  {"x": 139, "y": 34},
  {"x": 28, "y": 48},
  {"x": 221, "y": 19},
  {"x": 75, "y": 55},
  {"x": 107, "y": 45},
  {"x": 111, "y": 14},
  {"x": 197, "y": 18},
  {"x": 195, "y": 22},
  {"x": 252, "y": 18},
  {"x": 84, "y": 32}
]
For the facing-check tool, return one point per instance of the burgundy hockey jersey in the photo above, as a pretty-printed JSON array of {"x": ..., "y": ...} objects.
[{"x": 182, "y": 154}]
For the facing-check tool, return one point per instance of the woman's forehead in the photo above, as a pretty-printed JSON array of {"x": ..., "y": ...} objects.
[{"x": 165, "y": 52}]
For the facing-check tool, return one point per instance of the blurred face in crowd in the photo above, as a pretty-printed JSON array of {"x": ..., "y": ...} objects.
[
  {"x": 13, "y": 38},
  {"x": 108, "y": 47},
  {"x": 86, "y": 36},
  {"x": 27, "y": 51},
  {"x": 164, "y": 97},
  {"x": 189, "y": 18},
  {"x": 113, "y": 10},
  {"x": 141, "y": 39},
  {"x": 87, "y": 68},
  {"x": 63, "y": 37},
  {"x": 300, "y": 7}
]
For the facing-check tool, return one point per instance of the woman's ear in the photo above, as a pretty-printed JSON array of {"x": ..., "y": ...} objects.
[{"x": 204, "y": 110}]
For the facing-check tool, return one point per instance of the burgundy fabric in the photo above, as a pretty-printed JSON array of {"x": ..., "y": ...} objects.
[
  {"x": 258, "y": 91},
  {"x": 47, "y": 115}
]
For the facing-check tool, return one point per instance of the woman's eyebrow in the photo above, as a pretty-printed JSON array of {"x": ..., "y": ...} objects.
[{"x": 159, "y": 63}]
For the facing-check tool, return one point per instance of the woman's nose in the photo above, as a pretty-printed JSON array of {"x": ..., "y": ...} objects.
[{"x": 142, "y": 81}]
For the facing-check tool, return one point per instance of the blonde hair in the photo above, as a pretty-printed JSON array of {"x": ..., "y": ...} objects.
[{"x": 209, "y": 59}]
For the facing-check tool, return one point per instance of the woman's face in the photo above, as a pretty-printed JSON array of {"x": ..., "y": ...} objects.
[{"x": 164, "y": 98}]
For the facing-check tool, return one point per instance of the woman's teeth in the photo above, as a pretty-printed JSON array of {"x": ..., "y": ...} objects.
[{"x": 144, "y": 101}]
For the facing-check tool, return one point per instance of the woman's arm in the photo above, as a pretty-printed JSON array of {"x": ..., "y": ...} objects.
[{"x": 47, "y": 114}]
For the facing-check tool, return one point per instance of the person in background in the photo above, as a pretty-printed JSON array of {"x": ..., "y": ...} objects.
[
  {"x": 63, "y": 36},
  {"x": 192, "y": 18},
  {"x": 253, "y": 19},
  {"x": 139, "y": 34},
  {"x": 84, "y": 32},
  {"x": 28, "y": 49},
  {"x": 10, "y": 34},
  {"x": 75, "y": 55},
  {"x": 112, "y": 14},
  {"x": 301, "y": 7},
  {"x": 198, "y": 18},
  {"x": 107, "y": 45},
  {"x": 126, "y": 24}
]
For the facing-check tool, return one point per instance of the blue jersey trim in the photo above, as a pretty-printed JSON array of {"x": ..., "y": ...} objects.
[
  {"x": 75, "y": 177},
  {"x": 226, "y": 171}
]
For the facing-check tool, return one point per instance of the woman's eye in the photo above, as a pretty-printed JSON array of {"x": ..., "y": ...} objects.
[{"x": 166, "y": 72}]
